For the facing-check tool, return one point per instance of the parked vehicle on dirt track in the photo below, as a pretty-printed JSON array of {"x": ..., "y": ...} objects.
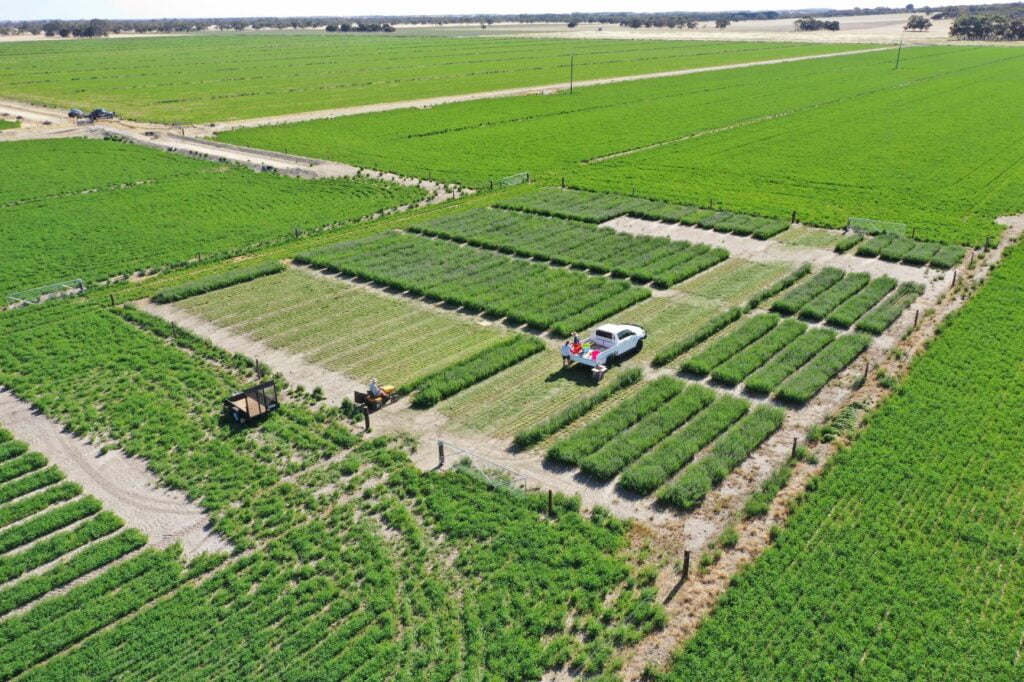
[
  {"x": 608, "y": 341},
  {"x": 102, "y": 113},
  {"x": 76, "y": 113}
]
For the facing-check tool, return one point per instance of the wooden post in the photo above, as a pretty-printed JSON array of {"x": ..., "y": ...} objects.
[
  {"x": 492, "y": 183},
  {"x": 971, "y": 264},
  {"x": 551, "y": 505},
  {"x": 953, "y": 283},
  {"x": 366, "y": 417},
  {"x": 792, "y": 218},
  {"x": 793, "y": 454},
  {"x": 686, "y": 564},
  {"x": 563, "y": 182},
  {"x": 913, "y": 233},
  {"x": 111, "y": 300},
  {"x": 440, "y": 455},
  {"x": 917, "y": 314},
  {"x": 259, "y": 370},
  {"x": 867, "y": 366}
]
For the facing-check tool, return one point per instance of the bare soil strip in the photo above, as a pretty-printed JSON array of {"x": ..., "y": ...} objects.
[{"x": 124, "y": 485}]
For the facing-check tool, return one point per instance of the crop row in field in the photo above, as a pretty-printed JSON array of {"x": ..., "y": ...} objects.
[
  {"x": 931, "y": 487},
  {"x": 9, "y": 125},
  {"x": 735, "y": 139},
  {"x": 479, "y": 280},
  {"x": 656, "y": 432},
  {"x": 219, "y": 281},
  {"x": 721, "y": 349},
  {"x": 570, "y": 242},
  {"x": 598, "y": 207},
  {"x": 167, "y": 219},
  {"x": 832, "y": 359},
  {"x": 343, "y": 327},
  {"x": 208, "y": 78},
  {"x": 302, "y": 604},
  {"x": 896, "y": 248},
  {"x": 844, "y": 298}
]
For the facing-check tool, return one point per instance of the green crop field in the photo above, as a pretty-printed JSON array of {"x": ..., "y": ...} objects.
[
  {"x": 870, "y": 155},
  {"x": 351, "y": 563},
  {"x": 211, "y": 78},
  {"x": 155, "y": 210},
  {"x": 8, "y": 125},
  {"x": 903, "y": 562},
  {"x": 344, "y": 327}
]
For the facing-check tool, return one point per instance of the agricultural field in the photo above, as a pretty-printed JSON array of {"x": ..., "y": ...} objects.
[
  {"x": 9, "y": 125},
  {"x": 925, "y": 491},
  {"x": 155, "y": 210},
  {"x": 344, "y": 327},
  {"x": 846, "y": 483},
  {"x": 477, "y": 280},
  {"x": 352, "y": 582},
  {"x": 751, "y": 155},
  {"x": 198, "y": 79}
]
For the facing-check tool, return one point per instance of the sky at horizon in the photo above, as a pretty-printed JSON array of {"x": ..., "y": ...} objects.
[{"x": 150, "y": 9}]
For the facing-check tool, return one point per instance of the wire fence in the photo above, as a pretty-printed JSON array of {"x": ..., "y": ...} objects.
[
  {"x": 39, "y": 294},
  {"x": 511, "y": 180},
  {"x": 872, "y": 226},
  {"x": 493, "y": 473}
]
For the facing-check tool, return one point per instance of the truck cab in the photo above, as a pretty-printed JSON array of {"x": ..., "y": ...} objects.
[{"x": 608, "y": 341}]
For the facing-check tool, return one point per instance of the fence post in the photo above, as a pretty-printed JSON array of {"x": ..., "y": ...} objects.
[
  {"x": 440, "y": 454},
  {"x": 867, "y": 366},
  {"x": 551, "y": 505},
  {"x": 971, "y": 264},
  {"x": 366, "y": 417},
  {"x": 563, "y": 182},
  {"x": 913, "y": 232},
  {"x": 111, "y": 300},
  {"x": 793, "y": 454},
  {"x": 917, "y": 313},
  {"x": 686, "y": 564},
  {"x": 793, "y": 217},
  {"x": 492, "y": 183},
  {"x": 259, "y": 370},
  {"x": 953, "y": 283}
]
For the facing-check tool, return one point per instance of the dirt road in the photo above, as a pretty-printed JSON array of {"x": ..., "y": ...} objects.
[
  {"x": 124, "y": 485},
  {"x": 495, "y": 94}
]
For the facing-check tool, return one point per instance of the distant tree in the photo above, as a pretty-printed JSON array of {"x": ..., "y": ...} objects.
[
  {"x": 812, "y": 24},
  {"x": 332, "y": 28},
  {"x": 917, "y": 22},
  {"x": 722, "y": 23},
  {"x": 909, "y": 8},
  {"x": 345, "y": 28}
]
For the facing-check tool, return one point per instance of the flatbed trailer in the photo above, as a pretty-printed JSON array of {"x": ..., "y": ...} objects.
[{"x": 252, "y": 403}]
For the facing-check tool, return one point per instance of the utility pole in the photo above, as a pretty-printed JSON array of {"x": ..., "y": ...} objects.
[
  {"x": 571, "y": 60},
  {"x": 899, "y": 52}
]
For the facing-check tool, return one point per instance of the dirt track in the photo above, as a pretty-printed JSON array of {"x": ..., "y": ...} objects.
[
  {"x": 495, "y": 94},
  {"x": 124, "y": 485}
]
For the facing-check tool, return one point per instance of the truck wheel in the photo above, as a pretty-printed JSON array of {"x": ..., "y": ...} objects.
[{"x": 639, "y": 345}]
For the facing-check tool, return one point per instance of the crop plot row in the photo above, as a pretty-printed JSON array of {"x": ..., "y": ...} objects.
[
  {"x": 570, "y": 242},
  {"x": 522, "y": 291},
  {"x": 789, "y": 359},
  {"x": 896, "y": 248},
  {"x": 598, "y": 207},
  {"x": 344, "y": 327},
  {"x": 842, "y": 299},
  {"x": 178, "y": 213},
  {"x": 657, "y": 432}
]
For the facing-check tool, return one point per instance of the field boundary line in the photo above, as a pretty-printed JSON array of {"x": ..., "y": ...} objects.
[{"x": 430, "y": 102}]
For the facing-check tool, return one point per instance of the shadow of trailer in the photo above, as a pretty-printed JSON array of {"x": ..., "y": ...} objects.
[{"x": 252, "y": 403}]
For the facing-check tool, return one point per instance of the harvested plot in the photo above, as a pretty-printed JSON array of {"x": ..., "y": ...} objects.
[
  {"x": 578, "y": 409},
  {"x": 171, "y": 214},
  {"x": 478, "y": 280},
  {"x": 436, "y": 387},
  {"x": 885, "y": 313},
  {"x": 832, "y": 359},
  {"x": 696, "y": 481},
  {"x": 346, "y": 328},
  {"x": 739, "y": 281},
  {"x": 646, "y": 259}
]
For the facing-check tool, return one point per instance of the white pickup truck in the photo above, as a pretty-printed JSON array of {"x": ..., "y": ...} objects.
[{"x": 609, "y": 341}]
